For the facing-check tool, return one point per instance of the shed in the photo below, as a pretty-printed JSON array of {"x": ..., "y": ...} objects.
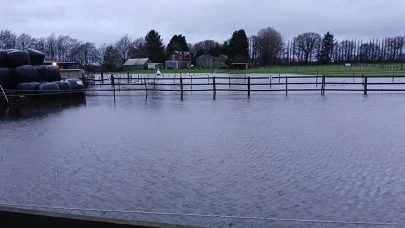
[
  {"x": 63, "y": 65},
  {"x": 208, "y": 61},
  {"x": 154, "y": 66},
  {"x": 175, "y": 64},
  {"x": 239, "y": 66},
  {"x": 136, "y": 64}
]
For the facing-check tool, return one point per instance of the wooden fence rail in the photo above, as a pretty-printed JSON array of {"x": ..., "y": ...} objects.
[{"x": 214, "y": 83}]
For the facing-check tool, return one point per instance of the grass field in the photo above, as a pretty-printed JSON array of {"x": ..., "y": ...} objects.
[{"x": 328, "y": 70}]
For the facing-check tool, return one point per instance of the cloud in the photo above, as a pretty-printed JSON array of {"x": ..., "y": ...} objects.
[{"x": 105, "y": 20}]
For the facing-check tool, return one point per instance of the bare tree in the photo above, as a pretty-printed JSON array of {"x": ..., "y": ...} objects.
[
  {"x": 206, "y": 45},
  {"x": 346, "y": 49},
  {"x": 253, "y": 47},
  {"x": 51, "y": 47},
  {"x": 24, "y": 41},
  {"x": 7, "y": 39},
  {"x": 63, "y": 47},
  {"x": 109, "y": 57},
  {"x": 88, "y": 54},
  {"x": 39, "y": 44},
  {"x": 270, "y": 44},
  {"x": 307, "y": 43},
  {"x": 138, "y": 49},
  {"x": 123, "y": 47},
  {"x": 369, "y": 52},
  {"x": 395, "y": 44}
]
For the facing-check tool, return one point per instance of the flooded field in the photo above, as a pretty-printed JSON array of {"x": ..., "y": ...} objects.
[{"x": 338, "y": 157}]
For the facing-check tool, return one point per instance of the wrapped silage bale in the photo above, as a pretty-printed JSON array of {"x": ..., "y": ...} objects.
[
  {"x": 16, "y": 58},
  {"x": 7, "y": 81},
  {"x": 36, "y": 57},
  {"x": 76, "y": 84},
  {"x": 42, "y": 72},
  {"x": 26, "y": 73},
  {"x": 54, "y": 73},
  {"x": 3, "y": 58},
  {"x": 28, "y": 88}
]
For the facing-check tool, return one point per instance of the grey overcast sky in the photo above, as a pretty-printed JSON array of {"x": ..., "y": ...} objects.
[{"x": 102, "y": 21}]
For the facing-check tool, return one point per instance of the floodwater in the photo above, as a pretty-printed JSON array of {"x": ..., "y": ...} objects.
[{"x": 338, "y": 157}]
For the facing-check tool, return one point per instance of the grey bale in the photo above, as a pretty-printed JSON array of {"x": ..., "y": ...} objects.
[
  {"x": 54, "y": 73},
  {"x": 42, "y": 72},
  {"x": 28, "y": 88},
  {"x": 26, "y": 73},
  {"x": 76, "y": 84},
  {"x": 16, "y": 58},
  {"x": 7, "y": 81},
  {"x": 36, "y": 57},
  {"x": 3, "y": 58}
]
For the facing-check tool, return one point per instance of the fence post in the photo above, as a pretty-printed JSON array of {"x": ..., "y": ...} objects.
[
  {"x": 191, "y": 82},
  {"x": 138, "y": 77},
  {"x": 112, "y": 80},
  {"x": 146, "y": 87},
  {"x": 229, "y": 83},
  {"x": 128, "y": 76},
  {"x": 323, "y": 85},
  {"x": 316, "y": 79},
  {"x": 286, "y": 85},
  {"x": 270, "y": 78},
  {"x": 102, "y": 78},
  {"x": 114, "y": 92},
  {"x": 365, "y": 85},
  {"x": 181, "y": 86},
  {"x": 213, "y": 86},
  {"x": 279, "y": 80},
  {"x": 249, "y": 86}
]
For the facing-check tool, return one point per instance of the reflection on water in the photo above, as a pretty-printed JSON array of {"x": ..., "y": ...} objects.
[
  {"x": 338, "y": 157},
  {"x": 38, "y": 108}
]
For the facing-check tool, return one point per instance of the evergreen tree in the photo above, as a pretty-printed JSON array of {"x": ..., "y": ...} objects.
[
  {"x": 154, "y": 47},
  {"x": 177, "y": 43},
  {"x": 224, "y": 48},
  {"x": 326, "y": 48},
  {"x": 239, "y": 45}
]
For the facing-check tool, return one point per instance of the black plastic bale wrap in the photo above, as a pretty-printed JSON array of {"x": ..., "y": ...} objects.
[
  {"x": 42, "y": 72},
  {"x": 54, "y": 73},
  {"x": 28, "y": 88},
  {"x": 36, "y": 57},
  {"x": 3, "y": 58},
  {"x": 25, "y": 73},
  {"x": 7, "y": 81},
  {"x": 76, "y": 84},
  {"x": 48, "y": 90},
  {"x": 16, "y": 58},
  {"x": 64, "y": 87}
]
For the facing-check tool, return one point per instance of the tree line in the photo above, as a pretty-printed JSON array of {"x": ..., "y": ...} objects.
[{"x": 267, "y": 47}]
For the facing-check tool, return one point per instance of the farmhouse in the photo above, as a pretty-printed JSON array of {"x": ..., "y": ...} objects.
[
  {"x": 136, "y": 64},
  {"x": 178, "y": 60},
  {"x": 208, "y": 61}
]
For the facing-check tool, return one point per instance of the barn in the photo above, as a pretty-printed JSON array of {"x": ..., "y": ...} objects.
[
  {"x": 208, "y": 61},
  {"x": 136, "y": 64}
]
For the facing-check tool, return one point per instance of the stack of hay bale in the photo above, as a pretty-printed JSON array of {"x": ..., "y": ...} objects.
[{"x": 23, "y": 70}]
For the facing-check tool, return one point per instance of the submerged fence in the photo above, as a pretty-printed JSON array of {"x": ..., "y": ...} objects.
[
  {"x": 244, "y": 84},
  {"x": 130, "y": 85}
]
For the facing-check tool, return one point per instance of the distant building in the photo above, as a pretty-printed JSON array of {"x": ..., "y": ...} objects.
[
  {"x": 63, "y": 65},
  {"x": 178, "y": 60},
  {"x": 136, "y": 64},
  {"x": 154, "y": 66},
  {"x": 239, "y": 66},
  {"x": 222, "y": 58},
  {"x": 208, "y": 61}
]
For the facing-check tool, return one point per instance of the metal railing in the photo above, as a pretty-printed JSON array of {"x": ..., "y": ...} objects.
[{"x": 4, "y": 94}]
